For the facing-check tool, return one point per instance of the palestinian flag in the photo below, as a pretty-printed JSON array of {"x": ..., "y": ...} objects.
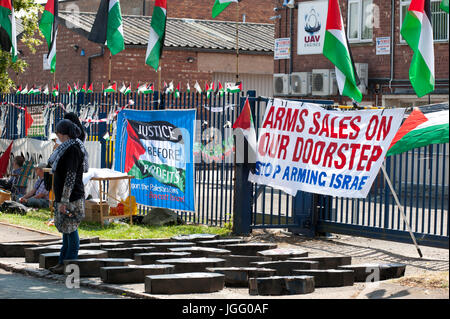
[
  {"x": 220, "y": 5},
  {"x": 209, "y": 89},
  {"x": 28, "y": 121},
  {"x": 84, "y": 88},
  {"x": 168, "y": 88},
  {"x": 76, "y": 88},
  {"x": 444, "y": 5},
  {"x": 151, "y": 154},
  {"x": 245, "y": 124},
  {"x": 420, "y": 130},
  {"x": 19, "y": 89},
  {"x": 108, "y": 26},
  {"x": 46, "y": 90},
  {"x": 336, "y": 50},
  {"x": 188, "y": 88},
  {"x": 157, "y": 34},
  {"x": 90, "y": 89},
  {"x": 8, "y": 38},
  {"x": 418, "y": 33},
  {"x": 34, "y": 90},
  {"x": 234, "y": 88},
  {"x": 49, "y": 28},
  {"x": 55, "y": 91},
  {"x": 111, "y": 89},
  {"x": 69, "y": 89},
  {"x": 221, "y": 90},
  {"x": 25, "y": 90},
  {"x": 125, "y": 89},
  {"x": 177, "y": 90},
  {"x": 197, "y": 87}
]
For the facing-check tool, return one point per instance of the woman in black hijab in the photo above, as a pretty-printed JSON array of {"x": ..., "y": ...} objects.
[
  {"x": 68, "y": 163},
  {"x": 74, "y": 118}
]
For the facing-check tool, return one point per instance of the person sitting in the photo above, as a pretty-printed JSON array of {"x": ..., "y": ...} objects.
[
  {"x": 38, "y": 196},
  {"x": 9, "y": 184}
]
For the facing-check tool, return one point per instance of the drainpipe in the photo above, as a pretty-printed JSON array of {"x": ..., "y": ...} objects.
[
  {"x": 90, "y": 62},
  {"x": 392, "y": 43}
]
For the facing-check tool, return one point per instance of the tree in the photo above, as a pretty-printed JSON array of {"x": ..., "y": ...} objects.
[{"x": 28, "y": 12}]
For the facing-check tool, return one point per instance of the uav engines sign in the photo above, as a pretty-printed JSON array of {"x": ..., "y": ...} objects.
[{"x": 312, "y": 20}]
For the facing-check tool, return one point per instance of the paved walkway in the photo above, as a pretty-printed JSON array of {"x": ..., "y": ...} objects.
[{"x": 362, "y": 250}]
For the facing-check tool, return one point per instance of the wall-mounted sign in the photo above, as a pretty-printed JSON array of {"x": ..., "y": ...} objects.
[
  {"x": 312, "y": 20},
  {"x": 282, "y": 49},
  {"x": 383, "y": 46}
]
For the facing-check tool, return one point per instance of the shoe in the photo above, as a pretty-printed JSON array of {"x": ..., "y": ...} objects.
[{"x": 58, "y": 269}]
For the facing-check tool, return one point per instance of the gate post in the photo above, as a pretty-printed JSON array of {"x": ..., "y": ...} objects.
[
  {"x": 243, "y": 189},
  {"x": 305, "y": 211}
]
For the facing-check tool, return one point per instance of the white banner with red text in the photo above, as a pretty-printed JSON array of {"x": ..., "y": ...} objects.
[{"x": 302, "y": 146}]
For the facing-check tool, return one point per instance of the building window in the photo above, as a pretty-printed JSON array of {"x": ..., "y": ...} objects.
[
  {"x": 439, "y": 20},
  {"x": 360, "y": 20}
]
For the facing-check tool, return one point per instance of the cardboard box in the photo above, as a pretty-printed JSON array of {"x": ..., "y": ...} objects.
[{"x": 92, "y": 210}]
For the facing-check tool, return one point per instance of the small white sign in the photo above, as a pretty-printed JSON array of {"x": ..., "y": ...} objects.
[
  {"x": 383, "y": 46},
  {"x": 312, "y": 21},
  {"x": 45, "y": 64},
  {"x": 282, "y": 49}
]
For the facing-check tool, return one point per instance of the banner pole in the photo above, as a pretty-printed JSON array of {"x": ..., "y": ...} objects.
[
  {"x": 237, "y": 42},
  {"x": 109, "y": 74},
  {"x": 401, "y": 209}
]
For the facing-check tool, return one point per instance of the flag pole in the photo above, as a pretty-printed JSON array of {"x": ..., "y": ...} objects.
[
  {"x": 237, "y": 42},
  {"x": 159, "y": 86},
  {"x": 109, "y": 74},
  {"x": 401, "y": 209}
]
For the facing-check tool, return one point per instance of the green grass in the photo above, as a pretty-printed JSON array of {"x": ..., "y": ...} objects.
[{"x": 38, "y": 219}]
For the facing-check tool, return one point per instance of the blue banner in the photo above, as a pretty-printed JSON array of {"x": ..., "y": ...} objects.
[{"x": 156, "y": 147}]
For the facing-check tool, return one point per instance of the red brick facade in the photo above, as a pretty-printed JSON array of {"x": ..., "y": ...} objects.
[
  {"x": 379, "y": 65},
  {"x": 255, "y": 11}
]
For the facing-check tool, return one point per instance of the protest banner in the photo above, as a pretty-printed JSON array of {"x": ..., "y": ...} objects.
[
  {"x": 304, "y": 147},
  {"x": 157, "y": 148}
]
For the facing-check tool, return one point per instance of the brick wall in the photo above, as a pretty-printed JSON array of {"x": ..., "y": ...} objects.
[
  {"x": 255, "y": 11},
  {"x": 379, "y": 65},
  {"x": 127, "y": 66}
]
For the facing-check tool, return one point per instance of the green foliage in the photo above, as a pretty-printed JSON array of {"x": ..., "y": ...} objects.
[{"x": 29, "y": 15}]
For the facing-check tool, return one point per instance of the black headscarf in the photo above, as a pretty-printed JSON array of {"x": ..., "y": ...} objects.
[
  {"x": 67, "y": 127},
  {"x": 74, "y": 118}
]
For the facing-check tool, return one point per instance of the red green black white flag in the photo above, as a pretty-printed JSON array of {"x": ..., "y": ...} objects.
[
  {"x": 418, "y": 33},
  {"x": 157, "y": 34},
  {"x": 49, "y": 28},
  {"x": 8, "y": 38}
]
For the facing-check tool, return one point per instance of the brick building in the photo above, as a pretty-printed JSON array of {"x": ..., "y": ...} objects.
[
  {"x": 197, "y": 48},
  {"x": 373, "y": 29},
  {"x": 252, "y": 11}
]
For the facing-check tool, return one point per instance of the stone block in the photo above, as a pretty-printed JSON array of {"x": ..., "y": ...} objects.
[
  {"x": 282, "y": 253},
  {"x": 186, "y": 283},
  {"x": 89, "y": 240},
  {"x": 151, "y": 258},
  {"x": 130, "y": 242},
  {"x": 247, "y": 249},
  {"x": 192, "y": 264},
  {"x": 385, "y": 271},
  {"x": 32, "y": 253},
  {"x": 281, "y": 285},
  {"x": 285, "y": 267},
  {"x": 327, "y": 262},
  {"x": 216, "y": 242},
  {"x": 328, "y": 277},
  {"x": 202, "y": 251},
  {"x": 91, "y": 267},
  {"x": 242, "y": 261},
  {"x": 51, "y": 259},
  {"x": 15, "y": 249},
  {"x": 195, "y": 237},
  {"x": 91, "y": 246},
  {"x": 164, "y": 247},
  {"x": 132, "y": 273},
  {"x": 238, "y": 276},
  {"x": 127, "y": 252},
  {"x": 109, "y": 245}
]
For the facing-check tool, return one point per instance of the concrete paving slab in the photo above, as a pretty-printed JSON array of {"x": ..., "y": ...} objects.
[
  {"x": 285, "y": 267},
  {"x": 132, "y": 273},
  {"x": 202, "y": 251},
  {"x": 328, "y": 277},
  {"x": 186, "y": 265},
  {"x": 239, "y": 276},
  {"x": 283, "y": 253},
  {"x": 281, "y": 285},
  {"x": 327, "y": 262},
  {"x": 151, "y": 258},
  {"x": 247, "y": 249}
]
